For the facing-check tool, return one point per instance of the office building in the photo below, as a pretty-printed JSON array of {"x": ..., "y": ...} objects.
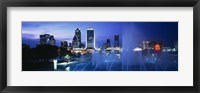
[
  {"x": 145, "y": 45},
  {"x": 76, "y": 43},
  {"x": 90, "y": 38},
  {"x": 116, "y": 41},
  {"x": 108, "y": 43},
  {"x": 47, "y": 39},
  {"x": 64, "y": 44}
]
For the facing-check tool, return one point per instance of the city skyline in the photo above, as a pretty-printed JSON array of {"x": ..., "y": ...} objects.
[
  {"x": 64, "y": 31},
  {"x": 100, "y": 46}
]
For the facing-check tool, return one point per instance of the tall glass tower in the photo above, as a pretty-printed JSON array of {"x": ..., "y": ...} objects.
[
  {"x": 78, "y": 34},
  {"x": 77, "y": 39},
  {"x": 90, "y": 38},
  {"x": 116, "y": 41},
  {"x": 108, "y": 43}
]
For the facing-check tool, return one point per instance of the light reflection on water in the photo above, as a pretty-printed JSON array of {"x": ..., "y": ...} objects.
[{"x": 110, "y": 61}]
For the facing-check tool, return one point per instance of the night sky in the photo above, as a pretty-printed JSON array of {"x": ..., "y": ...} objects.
[{"x": 165, "y": 32}]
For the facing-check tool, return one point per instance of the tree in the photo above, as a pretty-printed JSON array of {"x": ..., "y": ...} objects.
[{"x": 46, "y": 52}]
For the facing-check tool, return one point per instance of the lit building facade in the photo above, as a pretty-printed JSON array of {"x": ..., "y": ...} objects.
[
  {"x": 116, "y": 41},
  {"x": 47, "y": 39},
  {"x": 44, "y": 38},
  {"x": 76, "y": 43},
  {"x": 64, "y": 44},
  {"x": 69, "y": 46},
  {"x": 108, "y": 43},
  {"x": 145, "y": 45},
  {"x": 90, "y": 38},
  {"x": 52, "y": 41},
  {"x": 105, "y": 46}
]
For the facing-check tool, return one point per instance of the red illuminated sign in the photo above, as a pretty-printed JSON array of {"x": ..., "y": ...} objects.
[{"x": 157, "y": 47}]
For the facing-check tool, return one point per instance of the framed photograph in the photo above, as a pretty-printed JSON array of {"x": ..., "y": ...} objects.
[{"x": 99, "y": 46}]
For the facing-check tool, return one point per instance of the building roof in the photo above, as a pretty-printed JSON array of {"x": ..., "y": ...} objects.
[{"x": 90, "y": 28}]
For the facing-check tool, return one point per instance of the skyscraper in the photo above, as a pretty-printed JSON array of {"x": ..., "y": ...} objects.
[
  {"x": 105, "y": 46},
  {"x": 145, "y": 45},
  {"x": 78, "y": 34},
  {"x": 44, "y": 38},
  {"x": 116, "y": 41},
  {"x": 108, "y": 43},
  {"x": 69, "y": 46},
  {"x": 90, "y": 38},
  {"x": 64, "y": 44},
  {"x": 47, "y": 39},
  {"x": 52, "y": 41},
  {"x": 77, "y": 39}
]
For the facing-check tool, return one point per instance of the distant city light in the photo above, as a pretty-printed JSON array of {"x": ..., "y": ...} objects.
[
  {"x": 137, "y": 49},
  {"x": 98, "y": 49},
  {"x": 67, "y": 56},
  {"x": 102, "y": 51},
  {"x": 157, "y": 47},
  {"x": 174, "y": 49}
]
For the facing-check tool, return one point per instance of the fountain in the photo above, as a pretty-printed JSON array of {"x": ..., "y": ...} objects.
[
  {"x": 131, "y": 36},
  {"x": 128, "y": 59},
  {"x": 103, "y": 60}
]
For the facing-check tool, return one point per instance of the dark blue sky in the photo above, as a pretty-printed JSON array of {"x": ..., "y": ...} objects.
[{"x": 165, "y": 32}]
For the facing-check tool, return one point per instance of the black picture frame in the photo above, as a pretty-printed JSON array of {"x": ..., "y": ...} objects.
[{"x": 100, "y": 3}]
